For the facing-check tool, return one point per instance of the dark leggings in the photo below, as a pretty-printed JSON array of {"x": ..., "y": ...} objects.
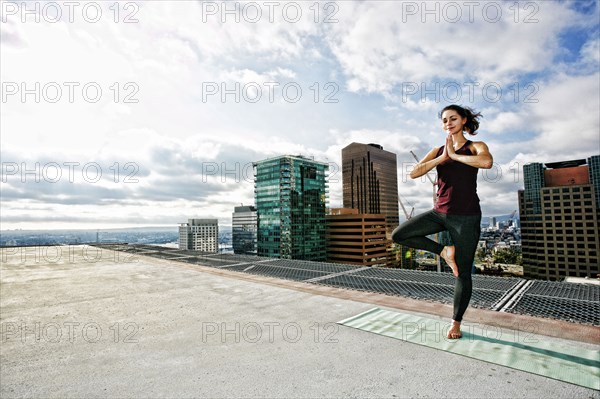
[{"x": 464, "y": 231}]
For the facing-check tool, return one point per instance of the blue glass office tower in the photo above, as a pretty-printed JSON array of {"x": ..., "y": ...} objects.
[{"x": 291, "y": 198}]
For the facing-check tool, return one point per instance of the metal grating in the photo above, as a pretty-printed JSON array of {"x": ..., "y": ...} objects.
[
  {"x": 392, "y": 287},
  {"x": 441, "y": 292},
  {"x": 287, "y": 273},
  {"x": 200, "y": 260},
  {"x": 322, "y": 267},
  {"x": 578, "y": 303},
  {"x": 559, "y": 308},
  {"x": 585, "y": 292},
  {"x": 210, "y": 261},
  {"x": 164, "y": 255},
  {"x": 297, "y": 270},
  {"x": 219, "y": 260},
  {"x": 480, "y": 282}
]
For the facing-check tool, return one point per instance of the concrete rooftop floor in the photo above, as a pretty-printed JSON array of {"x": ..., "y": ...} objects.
[{"x": 79, "y": 321}]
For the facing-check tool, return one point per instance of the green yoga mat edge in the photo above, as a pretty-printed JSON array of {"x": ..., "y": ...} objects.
[{"x": 574, "y": 365}]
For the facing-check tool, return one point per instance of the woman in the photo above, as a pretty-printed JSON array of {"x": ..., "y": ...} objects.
[{"x": 457, "y": 205}]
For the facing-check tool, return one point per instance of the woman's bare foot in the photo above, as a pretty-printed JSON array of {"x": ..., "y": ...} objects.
[
  {"x": 448, "y": 255},
  {"x": 454, "y": 331}
]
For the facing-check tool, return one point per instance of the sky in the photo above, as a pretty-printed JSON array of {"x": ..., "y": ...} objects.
[{"x": 149, "y": 113}]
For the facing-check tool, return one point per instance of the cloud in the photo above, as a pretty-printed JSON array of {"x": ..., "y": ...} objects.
[
  {"x": 200, "y": 174},
  {"x": 192, "y": 156},
  {"x": 505, "y": 122},
  {"x": 590, "y": 52},
  {"x": 222, "y": 32},
  {"x": 479, "y": 46},
  {"x": 11, "y": 36},
  {"x": 567, "y": 117}
]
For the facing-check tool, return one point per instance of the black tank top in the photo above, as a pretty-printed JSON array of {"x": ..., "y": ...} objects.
[{"x": 457, "y": 186}]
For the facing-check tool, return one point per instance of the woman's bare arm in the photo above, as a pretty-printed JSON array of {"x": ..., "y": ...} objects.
[
  {"x": 429, "y": 162},
  {"x": 481, "y": 159}
]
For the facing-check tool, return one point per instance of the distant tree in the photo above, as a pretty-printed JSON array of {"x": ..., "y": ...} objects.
[
  {"x": 508, "y": 256},
  {"x": 480, "y": 254}
]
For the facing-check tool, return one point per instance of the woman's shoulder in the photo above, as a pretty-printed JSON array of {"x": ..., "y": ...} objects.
[
  {"x": 477, "y": 143},
  {"x": 477, "y": 146}
]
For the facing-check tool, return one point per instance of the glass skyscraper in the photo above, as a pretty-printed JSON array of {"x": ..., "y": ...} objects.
[
  {"x": 594, "y": 175},
  {"x": 243, "y": 230},
  {"x": 291, "y": 198},
  {"x": 533, "y": 174}
]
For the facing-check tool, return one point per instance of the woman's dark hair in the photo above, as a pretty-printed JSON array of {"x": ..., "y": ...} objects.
[{"x": 472, "y": 117}]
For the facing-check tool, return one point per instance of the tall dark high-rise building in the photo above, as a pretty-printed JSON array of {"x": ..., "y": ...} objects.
[
  {"x": 559, "y": 219},
  {"x": 291, "y": 198},
  {"x": 370, "y": 182}
]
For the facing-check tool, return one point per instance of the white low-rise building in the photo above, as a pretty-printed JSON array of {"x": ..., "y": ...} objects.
[{"x": 199, "y": 235}]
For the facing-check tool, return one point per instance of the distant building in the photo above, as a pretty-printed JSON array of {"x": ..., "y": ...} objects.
[
  {"x": 199, "y": 235},
  {"x": 291, "y": 198},
  {"x": 244, "y": 230},
  {"x": 370, "y": 182},
  {"x": 559, "y": 219},
  {"x": 355, "y": 238}
]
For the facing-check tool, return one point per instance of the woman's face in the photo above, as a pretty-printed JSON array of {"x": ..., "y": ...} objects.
[{"x": 452, "y": 122}]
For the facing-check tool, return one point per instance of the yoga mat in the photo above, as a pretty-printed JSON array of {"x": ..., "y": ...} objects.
[{"x": 519, "y": 349}]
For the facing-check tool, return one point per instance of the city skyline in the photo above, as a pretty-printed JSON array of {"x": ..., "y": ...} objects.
[{"x": 150, "y": 113}]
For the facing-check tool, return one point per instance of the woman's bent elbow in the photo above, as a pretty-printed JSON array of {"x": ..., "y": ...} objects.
[
  {"x": 415, "y": 175},
  {"x": 488, "y": 163}
]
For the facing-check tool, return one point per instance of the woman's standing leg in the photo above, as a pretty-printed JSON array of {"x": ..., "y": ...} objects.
[{"x": 464, "y": 231}]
